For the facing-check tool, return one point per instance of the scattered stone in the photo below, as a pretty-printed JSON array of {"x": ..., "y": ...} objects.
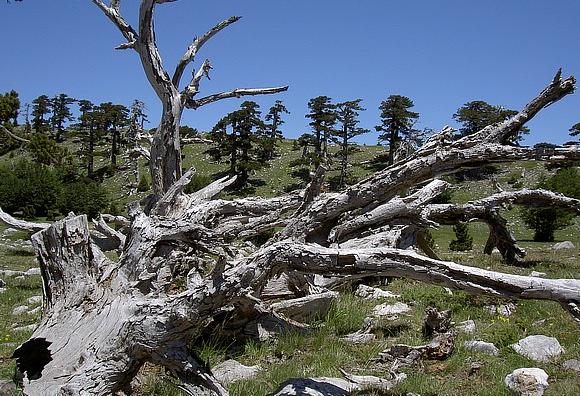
[
  {"x": 537, "y": 274},
  {"x": 231, "y": 371},
  {"x": 527, "y": 381},
  {"x": 34, "y": 300},
  {"x": 572, "y": 364},
  {"x": 11, "y": 273},
  {"x": 505, "y": 310},
  {"x": 2, "y": 284},
  {"x": 20, "y": 310},
  {"x": 362, "y": 336},
  {"x": 373, "y": 293},
  {"x": 9, "y": 231},
  {"x": 539, "y": 348},
  {"x": 33, "y": 271},
  {"x": 448, "y": 291},
  {"x": 31, "y": 327},
  {"x": 482, "y": 346},
  {"x": 307, "y": 308},
  {"x": 467, "y": 326},
  {"x": 390, "y": 311},
  {"x": 7, "y": 388},
  {"x": 563, "y": 245}
]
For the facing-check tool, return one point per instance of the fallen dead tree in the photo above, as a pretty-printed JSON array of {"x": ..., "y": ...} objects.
[{"x": 103, "y": 319}]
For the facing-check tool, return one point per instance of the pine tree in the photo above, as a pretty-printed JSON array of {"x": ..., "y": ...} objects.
[
  {"x": 575, "y": 130},
  {"x": 545, "y": 221},
  {"x": 9, "y": 108},
  {"x": 463, "y": 240},
  {"x": 238, "y": 139},
  {"x": 272, "y": 129},
  {"x": 40, "y": 108},
  {"x": 115, "y": 116},
  {"x": 61, "y": 113},
  {"x": 88, "y": 128},
  {"x": 396, "y": 122},
  {"x": 347, "y": 114},
  {"x": 323, "y": 119},
  {"x": 476, "y": 115}
]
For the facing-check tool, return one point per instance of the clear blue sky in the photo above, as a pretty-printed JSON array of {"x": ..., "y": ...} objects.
[{"x": 439, "y": 53}]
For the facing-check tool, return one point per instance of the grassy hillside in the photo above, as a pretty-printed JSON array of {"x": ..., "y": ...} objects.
[{"x": 322, "y": 353}]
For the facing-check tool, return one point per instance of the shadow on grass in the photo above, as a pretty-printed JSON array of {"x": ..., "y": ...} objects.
[
  {"x": 378, "y": 163},
  {"x": 19, "y": 252}
]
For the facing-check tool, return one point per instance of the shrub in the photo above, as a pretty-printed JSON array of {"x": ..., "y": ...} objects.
[
  {"x": 28, "y": 185},
  {"x": 545, "y": 221},
  {"x": 197, "y": 183},
  {"x": 444, "y": 198},
  {"x": 463, "y": 240},
  {"x": 46, "y": 151},
  {"x": 143, "y": 184},
  {"x": 83, "y": 197}
]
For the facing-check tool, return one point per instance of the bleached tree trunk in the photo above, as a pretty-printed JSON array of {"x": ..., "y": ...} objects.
[{"x": 165, "y": 160}]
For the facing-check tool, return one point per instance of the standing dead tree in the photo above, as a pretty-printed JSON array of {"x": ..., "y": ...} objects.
[
  {"x": 104, "y": 319},
  {"x": 165, "y": 155}
]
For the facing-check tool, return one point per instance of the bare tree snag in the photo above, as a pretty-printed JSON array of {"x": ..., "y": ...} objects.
[{"x": 165, "y": 153}]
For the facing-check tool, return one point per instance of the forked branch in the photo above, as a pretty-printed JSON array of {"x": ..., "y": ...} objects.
[{"x": 193, "y": 49}]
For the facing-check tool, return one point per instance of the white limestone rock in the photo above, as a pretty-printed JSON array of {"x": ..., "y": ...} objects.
[
  {"x": 482, "y": 346},
  {"x": 467, "y": 326},
  {"x": 231, "y": 371},
  {"x": 539, "y": 348},
  {"x": 390, "y": 311},
  {"x": 373, "y": 293},
  {"x": 527, "y": 381},
  {"x": 571, "y": 364},
  {"x": 563, "y": 245},
  {"x": 34, "y": 300},
  {"x": 22, "y": 309}
]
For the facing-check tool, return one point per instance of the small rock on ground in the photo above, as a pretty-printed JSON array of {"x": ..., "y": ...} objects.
[
  {"x": 563, "y": 245},
  {"x": 527, "y": 381},
  {"x": 231, "y": 371},
  {"x": 33, "y": 271},
  {"x": 502, "y": 309},
  {"x": 20, "y": 310},
  {"x": 34, "y": 300},
  {"x": 2, "y": 283},
  {"x": 572, "y": 364},
  {"x": 373, "y": 293},
  {"x": 482, "y": 346},
  {"x": 539, "y": 348},
  {"x": 31, "y": 327},
  {"x": 7, "y": 388},
  {"x": 467, "y": 326},
  {"x": 391, "y": 309}
]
